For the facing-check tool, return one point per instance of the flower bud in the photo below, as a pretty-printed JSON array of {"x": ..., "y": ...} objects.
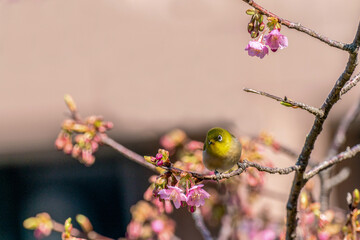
[
  {"x": 68, "y": 148},
  {"x": 356, "y": 197},
  {"x": 84, "y": 222},
  {"x": 70, "y": 102},
  {"x": 304, "y": 200},
  {"x": 254, "y": 34},
  {"x": 158, "y": 156},
  {"x": 261, "y": 18},
  {"x": 262, "y": 26},
  {"x": 94, "y": 146},
  {"x": 31, "y": 223},
  {"x": 192, "y": 209},
  {"x": 76, "y": 151},
  {"x": 68, "y": 124},
  {"x": 80, "y": 128},
  {"x": 60, "y": 143},
  {"x": 109, "y": 125},
  {"x": 250, "y": 12},
  {"x": 102, "y": 129},
  {"x": 160, "y": 163},
  {"x": 250, "y": 27}
]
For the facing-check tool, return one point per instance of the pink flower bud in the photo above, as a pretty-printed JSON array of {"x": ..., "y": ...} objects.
[
  {"x": 157, "y": 226},
  {"x": 94, "y": 146},
  {"x": 102, "y": 129},
  {"x": 97, "y": 138},
  {"x": 192, "y": 209},
  {"x": 87, "y": 157},
  {"x": 158, "y": 156},
  {"x": 76, "y": 151},
  {"x": 68, "y": 148},
  {"x": 109, "y": 125},
  {"x": 160, "y": 163},
  {"x": 60, "y": 143}
]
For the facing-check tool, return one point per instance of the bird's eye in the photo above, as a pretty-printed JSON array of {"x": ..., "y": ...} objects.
[{"x": 219, "y": 138}]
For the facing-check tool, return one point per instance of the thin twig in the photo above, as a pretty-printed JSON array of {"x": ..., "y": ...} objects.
[
  {"x": 243, "y": 166},
  {"x": 299, "y": 27},
  {"x": 338, "y": 178},
  {"x": 199, "y": 223},
  {"x": 303, "y": 160},
  {"x": 127, "y": 153},
  {"x": 349, "y": 153},
  {"x": 350, "y": 84},
  {"x": 58, "y": 227},
  {"x": 287, "y": 102}
]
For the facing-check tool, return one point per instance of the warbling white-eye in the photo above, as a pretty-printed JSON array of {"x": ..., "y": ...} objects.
[{"x": 222, "y": 150}]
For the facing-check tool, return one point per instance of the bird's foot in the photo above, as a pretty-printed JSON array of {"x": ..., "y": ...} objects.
[
  {"x": 241, "y": 165},
  {"x": 217, "y": 175}
]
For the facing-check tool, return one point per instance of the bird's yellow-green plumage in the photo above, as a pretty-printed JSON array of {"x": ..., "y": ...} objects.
[{"x": 221, "y": 150}]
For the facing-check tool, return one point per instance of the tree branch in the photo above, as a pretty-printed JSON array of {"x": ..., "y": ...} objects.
[
  {"x": 350, "y": 84},
  {"x": 299, "y": 27},
  {"x": 199, "y": 223},
  {"x": 315, "y": 131},
  {"x": 349, "y": 153},
  {"x": 287, "y": 102},
  {"x": 128, "y": 153},
  {"x": 338, "y": 178}
]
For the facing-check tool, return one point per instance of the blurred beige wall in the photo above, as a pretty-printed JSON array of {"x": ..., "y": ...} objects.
[{"x": 149, "y": 66}]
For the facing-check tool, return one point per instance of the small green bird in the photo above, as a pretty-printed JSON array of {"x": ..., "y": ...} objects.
[{"x": 222, "y": 150}]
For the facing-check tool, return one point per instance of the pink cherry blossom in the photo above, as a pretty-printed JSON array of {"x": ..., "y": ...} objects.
[
  {"x": 196, "y": 196},
  {"x": 157, "y": 225},
  {"x": 174, "y": 194},
  {"x": 256, "y": 48},
  {"x": 276, "y": 40}
]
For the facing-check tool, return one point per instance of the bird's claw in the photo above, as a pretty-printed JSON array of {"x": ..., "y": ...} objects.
[
  {"x": 217, "y": 175},
  {"x": 241, "y": 165}
]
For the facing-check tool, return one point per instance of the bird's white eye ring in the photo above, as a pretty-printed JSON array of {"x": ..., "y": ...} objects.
[{"x": 219, "y": 138}]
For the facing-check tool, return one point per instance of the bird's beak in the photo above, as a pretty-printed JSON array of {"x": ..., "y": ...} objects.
[{"x": 210, "y": 142}]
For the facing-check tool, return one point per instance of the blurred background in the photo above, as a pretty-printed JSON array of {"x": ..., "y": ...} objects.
[{"x": 149, "y": 67}]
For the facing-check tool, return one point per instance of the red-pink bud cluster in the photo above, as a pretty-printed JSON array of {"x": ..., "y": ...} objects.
[
  {"x": 80, "y": 139},
  {"x": 160, "y": 159}
]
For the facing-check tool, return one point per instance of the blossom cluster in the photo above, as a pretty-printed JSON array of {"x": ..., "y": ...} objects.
[
  {"x": 66, "y": 235},
  {"x": 351, "y": 230},
  {"x": 256, "y": 28},
  {"x": 41, "y": 224},
  {"x": 82, "y": 139},
  {"x": 317, "y": 224},
  {"x": 149, "y": 223},
  {"x": 169, "y": 186}
]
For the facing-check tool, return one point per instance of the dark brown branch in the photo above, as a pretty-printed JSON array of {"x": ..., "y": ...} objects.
[
  {"x": 315, "y": 131},
  {"x": 299, "y": 27},
  {"x": 285, "y": 101},
  {"x": 349, "y": 153},
  {"x": 350, "y": 84}
]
